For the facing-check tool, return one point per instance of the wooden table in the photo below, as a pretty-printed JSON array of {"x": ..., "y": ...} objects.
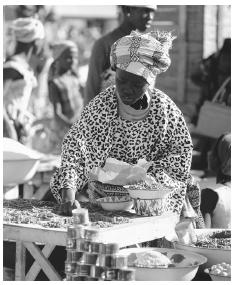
[{"x": 29, "y": 236}]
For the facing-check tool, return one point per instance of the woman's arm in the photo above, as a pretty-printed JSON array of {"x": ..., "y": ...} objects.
[
  {"x": 207, "y": 219},
  {"x": 173, "y": 166}
]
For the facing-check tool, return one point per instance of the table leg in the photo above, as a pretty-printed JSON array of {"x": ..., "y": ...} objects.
[
  {"x": 21, "y": 190},
  {"x": 35, "y": 268},
  {"x": 44, "y": 263},
  {"x": 20, "y": 261}
]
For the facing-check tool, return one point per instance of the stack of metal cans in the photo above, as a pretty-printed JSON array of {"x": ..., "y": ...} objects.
[{"x": 88, "y": 259}]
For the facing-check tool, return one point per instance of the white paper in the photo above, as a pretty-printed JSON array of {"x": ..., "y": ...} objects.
[{"x": 117, "y": 172}]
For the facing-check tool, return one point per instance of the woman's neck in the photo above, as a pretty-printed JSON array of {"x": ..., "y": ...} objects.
[{"x": 136, "y": 112}]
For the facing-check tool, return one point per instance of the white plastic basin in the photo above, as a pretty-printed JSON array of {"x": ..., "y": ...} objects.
[
  {"x": 19, "y": 171},
  {"x": 184, "y": 271},
  {"x": 19, "y": 162}
]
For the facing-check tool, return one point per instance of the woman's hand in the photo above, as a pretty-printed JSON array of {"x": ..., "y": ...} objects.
[{"x": 68, "y": 202}]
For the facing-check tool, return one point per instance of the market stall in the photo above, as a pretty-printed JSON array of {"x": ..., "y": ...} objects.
[{"x": 124, "y": 228}]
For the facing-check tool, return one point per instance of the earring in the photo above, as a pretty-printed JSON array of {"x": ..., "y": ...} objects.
[{"x": 128, "y": 14}]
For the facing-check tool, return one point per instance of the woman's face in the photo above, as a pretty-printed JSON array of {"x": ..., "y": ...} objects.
[
  {"x": 130, "y": 87},
  {"x": 141, "y": 18},
  {"x": 68, "y": 58}
]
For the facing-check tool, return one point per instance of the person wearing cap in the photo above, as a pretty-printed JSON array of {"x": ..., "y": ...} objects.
[
  {"x": 64, "y": 88},
  {"x": 129, "y": 121},
  {"x": 216, "y": 200},
  {"x": 18, "y": 76},
  {"x": 100, "y": 75}
]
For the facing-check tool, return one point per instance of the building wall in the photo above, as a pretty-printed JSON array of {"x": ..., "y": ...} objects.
[{"x": 200, "y": 31}]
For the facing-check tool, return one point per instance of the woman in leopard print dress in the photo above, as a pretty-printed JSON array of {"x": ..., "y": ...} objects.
[{"x": 129, "y": 121}]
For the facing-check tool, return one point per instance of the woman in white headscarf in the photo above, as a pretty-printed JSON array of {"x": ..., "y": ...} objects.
[
  {"x": 64, "y": 91},
  {"x": 18, "y": 76},
  {"x": 129, "y": 121}
]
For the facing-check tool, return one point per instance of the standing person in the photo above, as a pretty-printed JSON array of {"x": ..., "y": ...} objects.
[
  {"x": 210, "y": 75},
  {"x": 212, "y": 72},
  {"x": 129, "y": 121},
  {"x": 64, "y": 89},
  {"x": 18, "y": 76},
  {"x": 100, "y": 75},
  {"x": 216, "y": 201}
]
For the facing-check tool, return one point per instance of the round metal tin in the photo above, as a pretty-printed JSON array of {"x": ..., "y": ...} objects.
[
  {"x": 119, "y": 261},
  {"x": 70, "y": 267},
  {"x": 106, "y": 260},
  {"x": 74, "y": 256},
  {"x": 97, "y": 271},
  {"x": 83, "y": 269},
  {"x": 111, "y": 274},
  {"x": 82, "y": 245},
  {"x": 91, "y": 234},
  {"x": 126, "y": 274},
  {"x": 90, "y": 258},
  {"x": 80, "y": 217},
  {"x": 71, "y": 232},
  {"x": 70, "y": 243},
  {"x": 110, "y": 248},
  {"x": 95, "y": 247}
]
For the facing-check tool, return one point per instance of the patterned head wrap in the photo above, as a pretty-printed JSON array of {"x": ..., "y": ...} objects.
[
  {"x": 27, "y": 30},
  {"x": 60, "y": 47},
  {"x": 145, "y": 55}
]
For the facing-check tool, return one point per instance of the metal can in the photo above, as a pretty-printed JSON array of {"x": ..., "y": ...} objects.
[
  {"x": 126, "y": 274},
  {"x": 80, "y": 217},
  {"x": 74, "y": 256},
  {"x": 71, "y": 232},
  {"x": 83, "y": 278},
  {"x": 70, "y": 243},
  {"x": 106, "y": 260},
  {"x": 97, "y": 271},
  {"x": 77, "y": 277},
  {"x": 91, "y": 279},
  {"x": 83, "y": 269},
  {"x": 95, "y": 247},
  {"x": 68, "y": 277},
  {"x": 110, "y": 248},
  {"x": 79, "y": 231},
  {"x": 82, "y": 245},
  {"x": 90, "y": 258},
  {"x": 111, "y": 274},
  {"x": 119, "y": 261},
  {"x": 70, "y": 267},
  {"x": 91, "y": 234}
]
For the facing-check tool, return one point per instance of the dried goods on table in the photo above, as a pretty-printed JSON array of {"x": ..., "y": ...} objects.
[
  {"x": 218, "y": 239},
  {"x": 44, "y": 213}
]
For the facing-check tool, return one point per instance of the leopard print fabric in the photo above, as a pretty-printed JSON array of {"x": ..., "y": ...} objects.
[{"x": 162, "y": 138}]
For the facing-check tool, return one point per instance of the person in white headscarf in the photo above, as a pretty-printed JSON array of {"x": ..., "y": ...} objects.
[
  {"x": 129, "y": 121},
  {"x": 64, "y": 90},
  {"x": 18, "y": 76}
]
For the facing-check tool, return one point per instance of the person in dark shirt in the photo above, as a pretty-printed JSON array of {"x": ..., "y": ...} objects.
[
  {"x": 100, "y": 75},
  {"x": 211, "y": 73},
  {"x": 216, "y": 201}
]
